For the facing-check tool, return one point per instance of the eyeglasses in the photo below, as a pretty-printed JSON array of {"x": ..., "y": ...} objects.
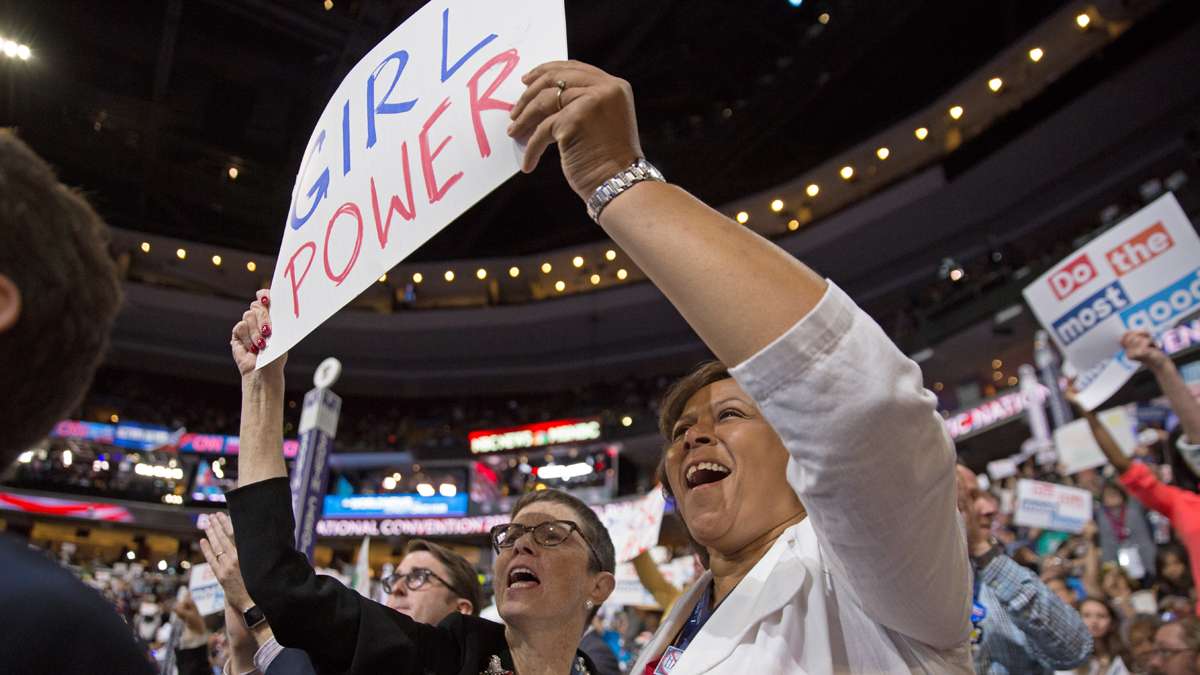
[
  {"x": 415, "y": 580},
  {"x": 1165, "y": 653},
  {"x": 548, "y": 533}
]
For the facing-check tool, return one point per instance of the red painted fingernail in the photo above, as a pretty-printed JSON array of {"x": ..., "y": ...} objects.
[
  {"x": 266, "y": 330},
  {"x": 261, "y": 343},
  {"x": 266, "y": 302},
  {"x": 253, "y": 349}
]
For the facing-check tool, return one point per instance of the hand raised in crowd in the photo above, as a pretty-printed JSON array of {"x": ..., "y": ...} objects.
[
  {"x": 187, "y": 612},
  {"x": 587, "y": 112},
  {"x": 219, "y": 532},
  {"x": 250, "y": 336},
  {"x": 1139, "y": 345}
]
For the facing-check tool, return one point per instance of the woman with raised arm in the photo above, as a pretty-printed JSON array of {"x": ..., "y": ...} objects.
[
  {"x": 810, "y": 463},
  {"x": 553, "y": 569}
]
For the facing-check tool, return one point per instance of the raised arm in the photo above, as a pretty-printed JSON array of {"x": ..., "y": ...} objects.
[
  {"x": 880, "y": 493},
  {"x": 1056, "y": 634},
  {"x": 1139, "y": 346},
  {"x": 261, "y": 454},
  {"x": 1108, "y": 444}
]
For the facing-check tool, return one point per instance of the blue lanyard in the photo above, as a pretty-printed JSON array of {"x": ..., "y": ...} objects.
[{"x": 699, "y": 616}]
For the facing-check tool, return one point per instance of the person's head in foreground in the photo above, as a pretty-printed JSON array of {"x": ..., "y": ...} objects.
[
  {"x": 433, "y": 582},
  {"x": 1141, "y": 641},
  {"x": 554, "y": 564},
  {"x": 59, "y": 294},
  {"x": 1177, "y": 648},
  {"x": 724, "y": 465}
]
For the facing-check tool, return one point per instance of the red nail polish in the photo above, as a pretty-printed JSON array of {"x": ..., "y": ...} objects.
[
  {"x": 261, "y": 344},
  {"x": 266, "y": 330},
  {"x": 253, "y": 349},
  {"x": 266, "y": 302}
]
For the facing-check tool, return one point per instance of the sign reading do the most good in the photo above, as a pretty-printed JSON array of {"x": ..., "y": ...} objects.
[
  {"x": 414, "y": 135},
  {"x": 1143, "y": 274}
]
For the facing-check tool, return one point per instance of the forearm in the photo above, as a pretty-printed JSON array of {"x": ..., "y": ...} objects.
[
  {"x": 1177, "y": 392},
  {"x": 1107, "y": 444},
  {"x": 1091, "y": 572},
  {"x": 261, "y": 454},
  {"x": 1056, "y": 633},
  {"x": 737, "y": 290}
]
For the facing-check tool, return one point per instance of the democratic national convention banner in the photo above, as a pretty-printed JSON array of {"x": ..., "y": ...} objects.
[
  {"x": 415, "y": 134},
  {"x": 1144, "y": 273},
  {"x": 1050, "y": 506}
]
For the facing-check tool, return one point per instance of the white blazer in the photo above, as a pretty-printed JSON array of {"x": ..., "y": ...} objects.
[{"x": 876, "y": 579}]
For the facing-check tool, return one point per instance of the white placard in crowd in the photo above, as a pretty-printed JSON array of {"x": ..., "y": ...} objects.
[
  {"x": 415, "y": 134},
  {"x": 1144, "y": 273},
  {"x": 1051, "y": 506},
  {"x": 206, "y": 590},
  {"x": 1077, "y": 447},
  {"x": 1002, "y": 468},
  {"x": 634, "y": 525}
]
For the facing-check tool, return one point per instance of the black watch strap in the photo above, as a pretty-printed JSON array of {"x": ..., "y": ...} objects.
[{"x": 253, "y": 616}]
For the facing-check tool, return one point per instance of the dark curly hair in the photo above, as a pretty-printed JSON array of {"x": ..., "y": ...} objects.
[{"x": 55, "y": 251}]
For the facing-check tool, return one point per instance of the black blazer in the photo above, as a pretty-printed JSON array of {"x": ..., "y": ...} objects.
[
  {"x": 55, "y": 624},
  {"x": 341, "y": 631}
]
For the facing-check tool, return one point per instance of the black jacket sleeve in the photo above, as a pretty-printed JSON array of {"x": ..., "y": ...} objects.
[
  {"x": 341, "y": 631},
  {"x": 291, "y": 662}
]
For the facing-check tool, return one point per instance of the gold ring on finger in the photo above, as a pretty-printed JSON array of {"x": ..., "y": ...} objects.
[{"x": 562, "y": 86}]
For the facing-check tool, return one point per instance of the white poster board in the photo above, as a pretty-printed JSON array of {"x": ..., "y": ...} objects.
[
  {"x": 1050, "y": 506},
  {"x": 206, "y": 590},
  {"x": 1144, "y": 273},
  {"x": 1077, "y": 447},
  {"x": 634, "y": 525},
  {"x": 415, "y": 134}
]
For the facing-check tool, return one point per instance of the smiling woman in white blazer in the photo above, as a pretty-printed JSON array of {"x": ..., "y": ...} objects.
[{"x": 826, "y": 499}]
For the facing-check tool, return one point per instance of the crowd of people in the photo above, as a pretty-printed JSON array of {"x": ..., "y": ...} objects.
[{"x": 828, "y": 544}]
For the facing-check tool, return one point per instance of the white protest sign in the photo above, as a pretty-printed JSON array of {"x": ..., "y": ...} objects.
[
  {"x": 1077, "y": 447},
  {"x": 1002, "y": 468},
  {"x": 415, "y": 134},
  {"x": 1144, "y": 273},
  {"x": 206, "y": 590},
  {"x": 1052, "y": 507},
  {"x": 634, "y": 525}
]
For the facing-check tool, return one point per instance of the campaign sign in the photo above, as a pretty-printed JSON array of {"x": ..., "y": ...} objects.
[
  {"x": 1077, "y": 447},
  {"x": 634, "y": 524},
  {"x": 1144, "y": 273},
  {"x": 206, "y": 590},
  {"x": 1050, "y": 506},
  {"x": 415, "y": 134}
]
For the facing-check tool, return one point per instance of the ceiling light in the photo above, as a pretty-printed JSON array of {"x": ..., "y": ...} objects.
[
  {"x": 577, "y": 261},
  {"x": 181, "y": 253},
  {"x": 389, "y": 483},
  {"x": 424, "y": 489},
  {"x": 956, "y": 111},
  {"x": 938, "y": 386},
  {"x": 514, "y": 272},
  {"x": 610, "y": 255},
  {"x": 251, "y": 266},
  {"x": 812, "y": 190},
  {"x": 777, "y": 205},
  {"x": 1036, "y": 54},
  {"x": 383, "y": 278},
  {"x": 417, "y": 277},
  {"x": 560, "y": 286},
  {"x": 997, "y": 376},
  {"x": 996, "y": 364},
  {"x": 233, "y": 173},
  {"x": 1083, "y": 20},
  {"x": 621, "y": 274},
  {"x": 447, "y": 489},
  {"x": 957, "y": 274},
  {"x": 546, "y": 267},
  {"x": 627, "y": 421},
  {"x": 10, "y": 48},
  {"x": 145, "y": 247},
  {"x": 216, "y": 260},
  {"x": 824, "y": 18},
  {"x": 847, "y": 172},
  {"x": 449, "y": 275},
  {"x": 743, "y": 217},
  {"x": 114, "y": 418},
  {"x": 481, "y": 274},
  {"x": 23, "y": 52},
  {"x": 595, "y": 279},
  {"x": 328, "y": 5},
  {"x": 793, "y": 225},
  {"x": 921, "y": 133},
  {"x": 883, "y": 153},
  {"x": 995, "y": 84}
]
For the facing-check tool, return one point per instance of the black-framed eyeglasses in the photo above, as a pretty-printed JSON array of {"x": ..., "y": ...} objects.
[
  {"x": 1166, "y": 653},
  {"x": 416, "y": 579},
  {"x": 547, "y": 533}
]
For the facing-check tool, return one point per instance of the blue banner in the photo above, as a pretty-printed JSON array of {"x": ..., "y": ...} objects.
[{"x": 394, "y": 505}]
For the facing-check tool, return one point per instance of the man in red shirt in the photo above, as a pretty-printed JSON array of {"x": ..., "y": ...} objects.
[{"x": 1181, "y": 507}]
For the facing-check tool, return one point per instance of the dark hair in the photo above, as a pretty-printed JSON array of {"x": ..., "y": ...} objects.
[
  {"x": 55, "y": 251},
  {"x": 1167, "y": 586},
  {"x": 464, "y": 580},
  {"x": 1111, "y": 644},
  {"x": 1191, "y": 630},
  {"x": 673, "y": 403}
]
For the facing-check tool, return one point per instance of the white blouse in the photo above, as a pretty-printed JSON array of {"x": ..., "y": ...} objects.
[{"x": 876, "y": 579}]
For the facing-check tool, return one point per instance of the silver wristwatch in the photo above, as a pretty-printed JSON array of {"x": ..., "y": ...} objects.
[{"x": 637, "y": 172}]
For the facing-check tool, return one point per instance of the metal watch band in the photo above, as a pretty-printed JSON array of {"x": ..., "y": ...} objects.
[{"x": 637, "y": 172}]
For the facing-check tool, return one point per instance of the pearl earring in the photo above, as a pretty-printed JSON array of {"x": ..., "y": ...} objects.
[{"x": 589, "y": 605}]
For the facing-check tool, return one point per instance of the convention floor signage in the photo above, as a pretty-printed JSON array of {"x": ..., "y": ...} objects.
[
  {"x": 1051, "y": 506},
  {"x": 1144, "y": 273},
  {"x": 414, "y": 135}
]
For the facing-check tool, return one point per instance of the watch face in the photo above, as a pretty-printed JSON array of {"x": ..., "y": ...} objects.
[{"x": 253, "y": 616}]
